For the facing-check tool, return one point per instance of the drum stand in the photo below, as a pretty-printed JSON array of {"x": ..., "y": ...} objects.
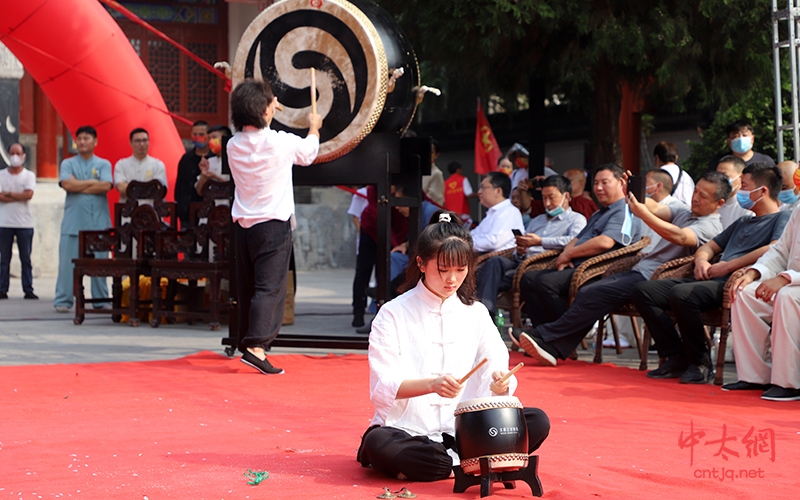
[{"x": 527, "y": 474}]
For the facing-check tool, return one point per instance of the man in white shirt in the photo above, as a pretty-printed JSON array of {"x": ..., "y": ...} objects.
[
  {"x": 140, "y": 166},
  {"x": 790, "y": 194},
  {"x": 665, "y": 155},
  {"x": 16, "y": 189},
  {"x": 261, "y": 162},
  {"x": 433, "y": 185},
  {"x": 731, "y": 211},
  {"x": 495, "y": 232},
  {"x": 766, "y": 301}
]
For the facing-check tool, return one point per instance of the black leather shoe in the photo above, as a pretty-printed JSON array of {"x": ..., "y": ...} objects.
[
  {"x": 3, "y": 295},
  {"x": 264, "y": 366},
  {"x": 697, "y": 374},
  {"x": 673, "y": 367},
  {"x": 741, "y": 385},
  {"x": 358, "y": 321}
]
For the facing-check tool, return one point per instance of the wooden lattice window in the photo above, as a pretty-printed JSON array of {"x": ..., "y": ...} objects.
[
  {"x": 202, "y": 85},
  {"x": 163, "y": 63}
]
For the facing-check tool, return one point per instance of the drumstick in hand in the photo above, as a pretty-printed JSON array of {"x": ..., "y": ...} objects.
[
  {"x": 512, "y": 372},
  {"x": 313, "y": 92},
  {"x": 472, "y": 372}
]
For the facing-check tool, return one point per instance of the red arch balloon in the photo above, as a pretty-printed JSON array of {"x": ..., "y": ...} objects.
[{"x": 89, "y": 70}]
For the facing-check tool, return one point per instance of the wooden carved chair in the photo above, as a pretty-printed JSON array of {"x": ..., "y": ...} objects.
[
  {"x": 715, "y": 318},
  {"x": 200, "y": 252},
  {"x": 144, "y": 212}
]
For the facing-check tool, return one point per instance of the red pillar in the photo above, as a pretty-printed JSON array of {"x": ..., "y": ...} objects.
[
  {"x": 47, "y": 129},
  {"x": 630, "y": 129}
]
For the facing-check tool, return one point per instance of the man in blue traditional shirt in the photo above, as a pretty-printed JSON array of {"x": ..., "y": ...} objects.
[{"x": 86, "y": 179}]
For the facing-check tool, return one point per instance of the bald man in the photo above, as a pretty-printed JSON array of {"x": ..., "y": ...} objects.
[
  {"x": 581, "y": 201},
  {"x": 790, "y": 194}
]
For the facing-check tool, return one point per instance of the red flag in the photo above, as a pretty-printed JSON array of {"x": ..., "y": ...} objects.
[{"x": 487, "y": 152}]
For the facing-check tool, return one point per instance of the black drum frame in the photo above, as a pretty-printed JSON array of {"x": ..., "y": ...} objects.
[{"x": 528, "y": 474}]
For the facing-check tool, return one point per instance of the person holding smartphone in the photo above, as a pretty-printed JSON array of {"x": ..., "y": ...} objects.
[{"x": 549, "y": 231}]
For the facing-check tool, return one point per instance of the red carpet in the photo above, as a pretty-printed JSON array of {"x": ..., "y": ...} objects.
[{"x": 189, "y": 429}]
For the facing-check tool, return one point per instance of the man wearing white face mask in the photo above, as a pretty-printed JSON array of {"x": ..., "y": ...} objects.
[
  {"x": 16, "y": 188},
  {"x": 790, "y": 194}
]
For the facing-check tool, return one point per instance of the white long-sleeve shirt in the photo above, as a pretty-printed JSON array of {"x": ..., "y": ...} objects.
[
  {"x": 494, "y": 231},
  {"x": 261, "y": 164},
  {"x": 416, "y": 336},
  {"x": 783, "y": 258}
]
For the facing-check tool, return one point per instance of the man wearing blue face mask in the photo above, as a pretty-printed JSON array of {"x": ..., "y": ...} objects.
[
  {"x": 740, "y": 245},
  {"x": 741, "y": 136},
  {"x": 790, "y": 194},
  {"x": 549, "y": 231}
]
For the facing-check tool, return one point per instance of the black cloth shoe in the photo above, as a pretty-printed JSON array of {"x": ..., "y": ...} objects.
[
  {"x": 673, "y": 367},
  {"x": 264, "y": 366},
  {"x": 3, "y": 295},
  {"x": 697, "y": 374},
  {"x": 776, "y": 393},
  {"x": 741, "y": 385},
  {"x": 365, "y": 329},
  {"x": 31, "y": 295},
  {"x": 538, "y": 349},
  {"x": 358, "y": 320}
]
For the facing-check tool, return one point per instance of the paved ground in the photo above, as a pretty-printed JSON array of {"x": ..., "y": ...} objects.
[{"x": 32, "y": 332}]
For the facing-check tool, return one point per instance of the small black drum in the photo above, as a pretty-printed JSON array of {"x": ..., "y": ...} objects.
[
  {"x": 493, "y": 428},
  {"x": 355, "y": 48}
]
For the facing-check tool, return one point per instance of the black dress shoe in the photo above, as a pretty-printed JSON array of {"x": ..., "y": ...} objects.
[
  {"x": 264, "y": 366},
  {"x": 3, "y": 295},
  {"x": 358, "y": 320},
  {"x": 741, "y": 385},
  {"x": 31, "y": 295},
  {"x": 697, "y": 374},
  {"x": 673, "y": 367}
]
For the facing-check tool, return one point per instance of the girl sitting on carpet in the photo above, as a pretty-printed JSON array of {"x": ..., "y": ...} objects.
[{"x": 420, "y": 343}]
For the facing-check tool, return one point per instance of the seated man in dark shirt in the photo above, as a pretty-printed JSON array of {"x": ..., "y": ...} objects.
[
  {"x": 741, "y": 244},
  {"x": 609, "y": 228},
  {"x": 682, "y": 231}
]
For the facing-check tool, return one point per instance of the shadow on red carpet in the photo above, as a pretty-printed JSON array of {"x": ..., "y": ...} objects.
[{"x": 190, "y": 428}]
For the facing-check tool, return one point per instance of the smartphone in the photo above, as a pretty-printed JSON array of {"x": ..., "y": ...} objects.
[
  {"x": 638, "y": 186},
  {"x": 516, "y": 232}
]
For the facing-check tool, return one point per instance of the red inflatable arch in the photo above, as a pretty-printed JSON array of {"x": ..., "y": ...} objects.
[{"x": 88, "y": 69}]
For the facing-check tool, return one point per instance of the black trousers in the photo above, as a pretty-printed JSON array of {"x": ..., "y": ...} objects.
[
  {"x": 262, "y": 269},
  {"x": 365, "y": 263},
  {"x": 494, "y": 276},
  {"x": 592, "y": 302},
  {"x": 393, "y": 451},
  {"x": 687, "y": 299},
  {"x": 544, "y": 293}
]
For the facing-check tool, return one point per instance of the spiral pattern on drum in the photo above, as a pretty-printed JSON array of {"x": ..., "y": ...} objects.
[{"x": 340, "y": 42}]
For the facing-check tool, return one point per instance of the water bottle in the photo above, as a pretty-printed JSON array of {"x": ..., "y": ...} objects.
[{"x": 499, "y": 320}]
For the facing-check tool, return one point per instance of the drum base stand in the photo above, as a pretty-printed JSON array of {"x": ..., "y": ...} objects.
[{"x": 527, "y": 474}]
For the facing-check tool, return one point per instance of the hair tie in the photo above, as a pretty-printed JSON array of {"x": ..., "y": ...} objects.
[{"x": 445, "y": 217}]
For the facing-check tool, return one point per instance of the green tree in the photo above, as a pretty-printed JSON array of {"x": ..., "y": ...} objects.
[{"x": 675, "y": 53}]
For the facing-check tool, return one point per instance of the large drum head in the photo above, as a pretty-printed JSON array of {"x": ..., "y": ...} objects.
[{"x": 341, "y": 42}]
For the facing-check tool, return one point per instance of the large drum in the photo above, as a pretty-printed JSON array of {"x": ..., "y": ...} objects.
[
  {"x": 355, "y": 48},
  {"x": 493, "y": 428}
]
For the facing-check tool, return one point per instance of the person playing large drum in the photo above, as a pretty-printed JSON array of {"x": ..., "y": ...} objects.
[{"x": 420, "y": 344}]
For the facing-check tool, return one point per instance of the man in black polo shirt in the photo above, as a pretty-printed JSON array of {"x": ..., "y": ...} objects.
[{"x": 741, "y": 244}]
